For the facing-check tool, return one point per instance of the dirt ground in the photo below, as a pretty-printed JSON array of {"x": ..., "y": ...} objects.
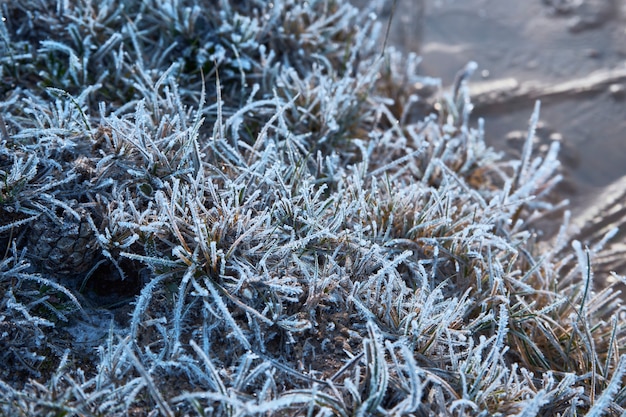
[{"x": 568, "y": 53}]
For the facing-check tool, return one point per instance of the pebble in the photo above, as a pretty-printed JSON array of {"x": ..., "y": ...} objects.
[{"x": 617, "y": 91}]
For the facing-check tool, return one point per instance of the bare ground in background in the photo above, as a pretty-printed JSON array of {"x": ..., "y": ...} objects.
[{"x": 568, "y": 53}]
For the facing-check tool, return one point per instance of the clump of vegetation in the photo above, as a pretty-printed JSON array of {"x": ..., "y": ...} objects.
[{"x": 243, "y": 208}]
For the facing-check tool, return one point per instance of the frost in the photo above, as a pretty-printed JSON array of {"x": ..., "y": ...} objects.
[{"x": 279, "y": 220}]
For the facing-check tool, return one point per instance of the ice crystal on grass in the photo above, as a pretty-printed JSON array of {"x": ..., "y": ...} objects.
[{"x": 244, "y": 208}]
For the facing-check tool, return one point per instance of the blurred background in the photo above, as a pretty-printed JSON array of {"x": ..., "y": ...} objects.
[{"x": 568, "y": 53}]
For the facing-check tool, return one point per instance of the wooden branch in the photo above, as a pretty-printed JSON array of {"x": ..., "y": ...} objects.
[{"x": 487, "y": 94}]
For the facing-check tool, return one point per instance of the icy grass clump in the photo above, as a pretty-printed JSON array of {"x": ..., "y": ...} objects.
[{"x": 301, "y": 233}]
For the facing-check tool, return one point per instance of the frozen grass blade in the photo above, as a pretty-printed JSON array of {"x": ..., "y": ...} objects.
[
  {"x": 254, "y": 176},
  {"x": 152, "y": 388}
]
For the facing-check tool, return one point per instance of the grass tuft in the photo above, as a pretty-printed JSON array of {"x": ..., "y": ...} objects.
[{"x": 243, "y": 208}]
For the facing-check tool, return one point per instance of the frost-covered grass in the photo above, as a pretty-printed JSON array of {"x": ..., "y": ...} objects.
[{"x": 244, "y": 208}]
